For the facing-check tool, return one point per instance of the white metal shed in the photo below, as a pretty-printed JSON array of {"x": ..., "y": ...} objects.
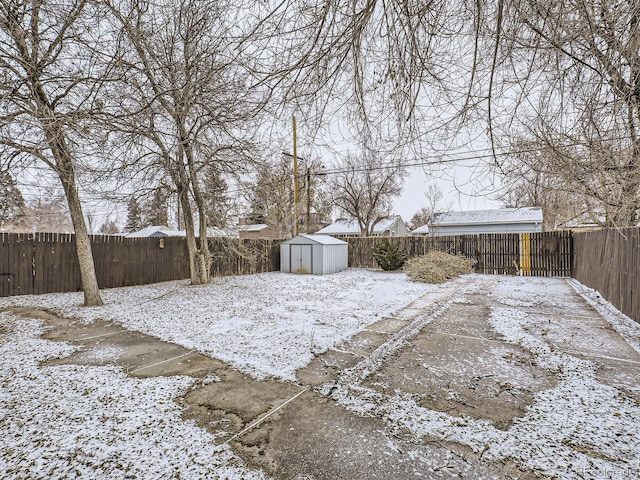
[{"x": 315, "y": 254}]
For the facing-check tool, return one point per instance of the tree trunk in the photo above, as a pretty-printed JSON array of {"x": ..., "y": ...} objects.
[
  {"x": 203, "y": 255},
  {"x": 83, "y": 244},
  {"x": 192, "y": 247},
  {"x": 64, "y": 168}
]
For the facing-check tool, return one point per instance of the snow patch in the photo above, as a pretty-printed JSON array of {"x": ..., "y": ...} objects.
[{"x": 95, "y": 422}]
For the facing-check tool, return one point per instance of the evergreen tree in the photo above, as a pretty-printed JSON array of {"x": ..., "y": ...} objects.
[
  {"x": 155, "y": 209},
  {"x": 134, "y": 216},
  {"x": 11, "y": 200},
  {"x": 217, "y": 201},
  {"x": 109, "y": 228}
]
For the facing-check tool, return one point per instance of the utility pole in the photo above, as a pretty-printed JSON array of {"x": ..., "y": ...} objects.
[
  {"x": 295, "y": 179},
  {"x": 308, "y": 199}
]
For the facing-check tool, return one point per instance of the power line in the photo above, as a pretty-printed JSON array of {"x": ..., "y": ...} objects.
[{"x": 470, "y": 155}]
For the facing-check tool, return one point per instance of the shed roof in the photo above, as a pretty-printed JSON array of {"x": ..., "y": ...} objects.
[
  {"x": 484, "y": 217},
  {"x": 351, "y": 227},
  {"x": 253, "y": 228},
  {"x": 305, "y": 239}
]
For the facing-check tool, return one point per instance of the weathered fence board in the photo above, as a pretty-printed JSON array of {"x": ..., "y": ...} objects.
[
  {"x": 547, "y": 254},
  {"x": 606, "y": 260},
  {"x": 46, "y": 262},
  {"x": 609, "y": 261},
  {"x": 551, "y": 254}
]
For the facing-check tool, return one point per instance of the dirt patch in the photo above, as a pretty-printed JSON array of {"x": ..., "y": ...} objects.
[{"x": 36, "y": 313}]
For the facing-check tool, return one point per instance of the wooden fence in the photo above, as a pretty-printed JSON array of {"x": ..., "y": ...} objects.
[
  {"x": 606, "y": 260},
  {"x": 609, "y": 261},
  {"x": 46, "y": 262},
  {"x": 533, "y": 254}
]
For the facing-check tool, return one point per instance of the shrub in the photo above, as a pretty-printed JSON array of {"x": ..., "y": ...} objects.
[
  {"x": 388, "y": 255},
  {"x": 438, "y": 267}
]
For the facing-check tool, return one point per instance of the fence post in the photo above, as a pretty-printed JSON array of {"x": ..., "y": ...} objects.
[{"x": 525, "y": 254}]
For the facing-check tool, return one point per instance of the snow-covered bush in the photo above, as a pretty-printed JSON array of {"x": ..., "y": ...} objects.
[{"x": 388, "y": 255}]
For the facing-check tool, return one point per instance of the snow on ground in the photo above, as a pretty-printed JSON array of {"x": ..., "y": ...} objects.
[
  {"x": 97, "y": 419},
  {"x": 269, "y": 324},
  {"x": 581, "y": 428},
  {"x": 621, "y": 323},
  {"x": 79, "y": 421},
  {"x": 95, "y": 422}
]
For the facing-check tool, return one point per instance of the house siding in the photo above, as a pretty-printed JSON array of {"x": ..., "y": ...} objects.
[
  {"x": 266, "y": 233},
  {"x": 444, "y": 230}
]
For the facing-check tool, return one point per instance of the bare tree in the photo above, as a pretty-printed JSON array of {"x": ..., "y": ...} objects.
[
  {"x": 582, "y": 105},
  {"x": 377, "y": 63},
  {"x": 571, "y": 70},
  {"x": 187, "y": 103},
  {"x": 271, "y": 195},
  {"x": 364, "y": 187},
  {"x": 49, "y": 212},
  {"x": 421, "y": 217},
  {"x": 434, "y": 205},
  {"x": 50, "y": 83},
  {"x": 110, "y": 227},
  {"x": 563, "y": 74},
  {"x": 530, "y": 182}
]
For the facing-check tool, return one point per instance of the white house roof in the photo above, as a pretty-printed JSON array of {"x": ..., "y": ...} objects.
[
  {"x": 253, "y": 228},
  {"x": 484, "y": 217},
  {"x": 219, "y": 232},
  {"x": 584, "y": 220},
  {"x": 164, "y": 231},
  {"x": 317, "y": 239},
  {"x": 153, "y": 230},
  {"x": 422, "y": 229},
  {"x": 351, "y": 227}
]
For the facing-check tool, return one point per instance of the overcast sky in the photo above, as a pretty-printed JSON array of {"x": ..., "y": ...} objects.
[{"x": 461, "y": 191}]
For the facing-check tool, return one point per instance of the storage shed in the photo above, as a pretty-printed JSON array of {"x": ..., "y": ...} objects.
[{"x": 315, "y": 254}]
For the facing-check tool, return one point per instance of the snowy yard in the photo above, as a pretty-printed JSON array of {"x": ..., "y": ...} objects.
[
  {"x": 72, "y": 421},
  {"x": 268, "y": 324}
]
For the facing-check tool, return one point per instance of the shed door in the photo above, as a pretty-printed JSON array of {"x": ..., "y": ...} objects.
[{"x": 301, "y": 258}]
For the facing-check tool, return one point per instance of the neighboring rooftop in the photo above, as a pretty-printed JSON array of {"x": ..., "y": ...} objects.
[
  {"x": 351, "y": 227},
  {"x": 252, "y": 228},
  {"x": 502, "y": 215},
  {"x": 164, "y": 231},
  {"x": 154, "y": 231},
  {"x": 424, "y": 229}
]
